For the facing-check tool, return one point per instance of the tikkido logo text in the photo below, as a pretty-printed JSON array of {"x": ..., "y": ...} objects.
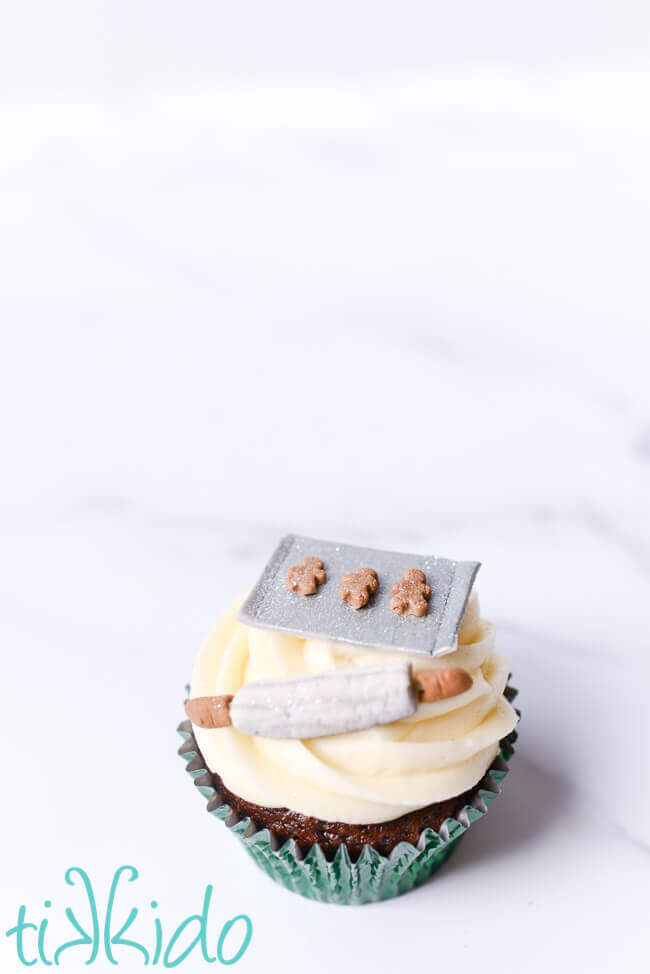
[{"x": 123, "y": 933}]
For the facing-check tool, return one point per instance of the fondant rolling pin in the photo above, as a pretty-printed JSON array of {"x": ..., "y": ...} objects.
[{"x": 328, "y": 703}]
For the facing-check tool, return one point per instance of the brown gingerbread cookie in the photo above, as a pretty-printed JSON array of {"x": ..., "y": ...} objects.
[
  {"x": 411, "y": 595},
  {"x": 357, "y": 587},
  {"x": 306, "y": 577}
]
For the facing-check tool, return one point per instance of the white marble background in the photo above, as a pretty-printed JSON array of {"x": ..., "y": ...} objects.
[{"x": 406, "y": 309}]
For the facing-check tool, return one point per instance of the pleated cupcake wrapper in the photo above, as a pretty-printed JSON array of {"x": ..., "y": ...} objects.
[{"x": 373, "y": 876}]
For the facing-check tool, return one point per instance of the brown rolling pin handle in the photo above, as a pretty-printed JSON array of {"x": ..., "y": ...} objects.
[
  {"x": 440, "y": 684},
  {"x": 209, "y": 711}
]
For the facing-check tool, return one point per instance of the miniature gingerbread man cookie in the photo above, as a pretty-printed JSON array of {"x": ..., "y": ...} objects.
[
  {"x": 357, "y": 587},
  {"x": 306, "y": 577},
  {"x": 411, "y": 595}
]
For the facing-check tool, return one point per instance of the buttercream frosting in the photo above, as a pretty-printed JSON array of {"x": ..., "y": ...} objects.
[{"x": 366, "y": 776}]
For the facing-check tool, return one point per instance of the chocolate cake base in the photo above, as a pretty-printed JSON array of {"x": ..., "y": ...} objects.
[{"x": 283, "y": 823}]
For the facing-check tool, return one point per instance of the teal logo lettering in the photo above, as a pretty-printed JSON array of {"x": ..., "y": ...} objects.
[{"x": 125, "y": 932}]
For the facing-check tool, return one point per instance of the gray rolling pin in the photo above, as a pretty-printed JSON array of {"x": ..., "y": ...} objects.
[{"x": 328, "y": 703}]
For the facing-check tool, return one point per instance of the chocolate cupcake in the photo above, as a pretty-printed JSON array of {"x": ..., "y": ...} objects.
[{"x": 349, "y": 772}]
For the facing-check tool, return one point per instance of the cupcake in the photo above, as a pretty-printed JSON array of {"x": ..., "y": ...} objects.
[{"x": 349, "y": 769}]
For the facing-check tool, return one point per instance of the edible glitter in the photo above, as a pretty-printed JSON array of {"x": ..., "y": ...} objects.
[{"x": 325, "y": 616}]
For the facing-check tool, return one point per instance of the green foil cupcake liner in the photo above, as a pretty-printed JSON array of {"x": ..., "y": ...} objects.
[{"x": 373, "y": 876}]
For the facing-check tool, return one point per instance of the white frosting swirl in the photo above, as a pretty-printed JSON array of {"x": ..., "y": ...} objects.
[{"x": 365, "y": 776}]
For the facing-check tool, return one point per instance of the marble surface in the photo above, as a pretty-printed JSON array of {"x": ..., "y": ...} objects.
[{"x": 409, "y": 314}]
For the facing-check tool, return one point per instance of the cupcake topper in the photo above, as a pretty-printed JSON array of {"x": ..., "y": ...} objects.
[
  {"x": 380, "y": 599},
  {"x": 328, "y": 703}
]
